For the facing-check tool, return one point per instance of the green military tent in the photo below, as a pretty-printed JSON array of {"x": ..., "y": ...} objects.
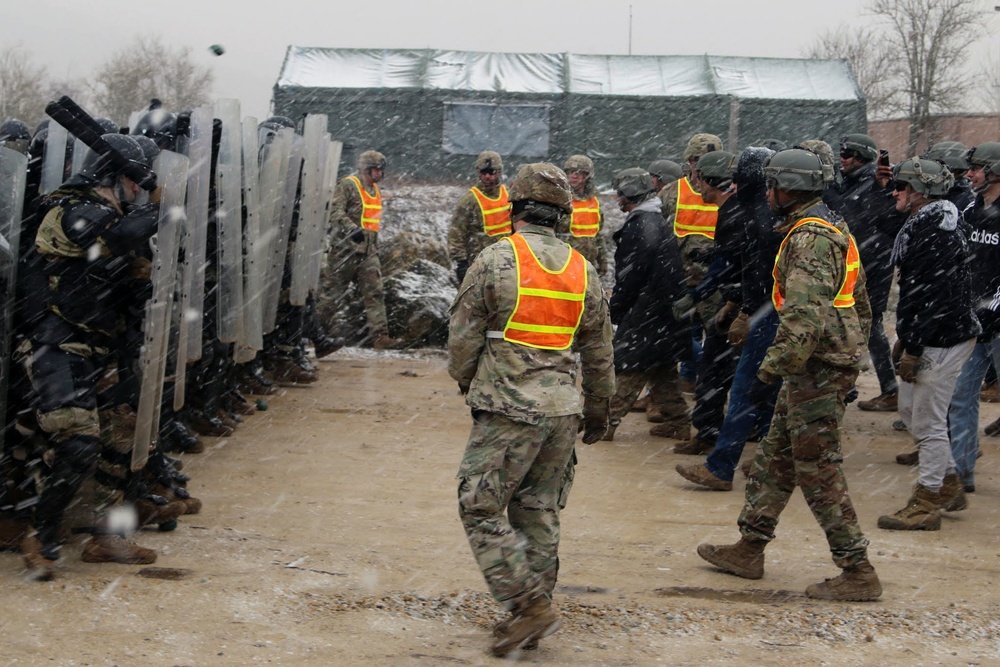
[{"x": 431, "y": 110}]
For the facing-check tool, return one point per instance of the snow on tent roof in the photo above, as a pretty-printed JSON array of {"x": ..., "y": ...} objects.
[{"x": 548, "y": 73}]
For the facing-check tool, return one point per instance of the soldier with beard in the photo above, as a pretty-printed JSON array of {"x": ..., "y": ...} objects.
[{"x": 482, "y": 215}]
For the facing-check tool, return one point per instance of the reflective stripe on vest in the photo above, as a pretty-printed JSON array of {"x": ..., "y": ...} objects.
[
  {"x": 371, "y": 205},
  {"x": 845, "y": 296},
  {"x": 549, "y": 303},
  {"x": 586, "y": 220},
  {"x": 496, "y": 212},
  {"x": 693, "y": 215}
]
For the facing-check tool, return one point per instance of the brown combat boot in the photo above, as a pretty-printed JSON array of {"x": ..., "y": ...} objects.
[
  {"x": 641, "y": 404},
  {"x": 694, "y": 446},
  {"x": 993, "y": 428},
  {"x": 744, "y": 559},
  {"x": 672, "y": 431},
  {"x": 12, "y": 532},
  {"x": 147, "y": 512},
  {"x": 537, "y": 618},
  {"x": 654, "y": 416},
  {"x": 191, "y": 504},
  {"x": 108, "y": 548},
  {"x": 990, "y": 393},
  {"x": 908, "y": 458},
  {"x": 699, "y": 474},
  {"x": 39, "y": 567},
  {"x": 887, "y": 402},
  {"x": 953, "y": 493},
  {"x": 922, "y": 512},
  {"x": 856, "y": 583},
  {"x": 609, "y": 435},
  {"x": 385, "y": 342},
  {"x": 503, "y": 627},
  {"x": 286, "y": 371}
]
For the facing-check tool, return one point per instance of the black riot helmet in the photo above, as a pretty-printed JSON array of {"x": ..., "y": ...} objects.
[
  {"x": 108, "y": 125},
  {"x": 283, "y": 121},
  {"x": 159, "y": 125},
  {"x": 103, "y": 169},
  {"x": 14, "y": 134},
  {"x": 149, "y": 148}
]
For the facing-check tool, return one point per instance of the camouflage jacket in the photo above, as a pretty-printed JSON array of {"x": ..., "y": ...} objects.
[
  {"x": 668, "y": 201},
  {"x": 345, "y": 220},
  {"x": 524, "y": 383},
  {"x": 466, "y": 237},
  {"x": 594, "y": 248},
  {"x": 810, "y": 270}
]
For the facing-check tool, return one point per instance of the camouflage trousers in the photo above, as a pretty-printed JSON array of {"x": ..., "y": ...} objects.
[
  {"x": 664, "y": 393},
  {"x": 513, "y": 481},
  {"x": 343, "y": 269},
  {"x": 802, "y": 449}
]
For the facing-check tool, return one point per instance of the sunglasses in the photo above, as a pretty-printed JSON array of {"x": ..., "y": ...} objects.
[
  {"x": 899, "y": 186},
  {"x": 488, "y": 172},
  {"x": 847, "y": 155}
]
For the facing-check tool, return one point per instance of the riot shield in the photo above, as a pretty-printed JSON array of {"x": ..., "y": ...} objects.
[
  {"x": 334, "y": 149},
  {"x": 79, "y": 152},
  {"x": 198, "y": 148},
  {"x": 54, "y": 160},
  {"x": 13, "y": 173},
  {"x": 279, "y": 253},
  {"x": 309, "y": 236},
  {"x": 229, "y": 224},
  {"x": 171, "y": 168},
  {"x": 254, "y": 264},
  {"x": 273, "y": 167}
]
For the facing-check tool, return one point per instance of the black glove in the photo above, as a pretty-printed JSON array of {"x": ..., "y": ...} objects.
[
  {"x": 463, "y": 387},
  {"x": 461, "y": 267},
  {"x": 851, "y": 396},
  {"x": 761, "y": 394},
  {"x": 358, "y": 235},
  {"x": 595, "y": 419}
]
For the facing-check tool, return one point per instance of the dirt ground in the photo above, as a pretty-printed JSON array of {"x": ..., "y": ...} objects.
[{"x": 330, "y": 536}]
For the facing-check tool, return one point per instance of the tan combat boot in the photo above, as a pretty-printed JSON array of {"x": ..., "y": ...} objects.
[
  {"x": 744, "y": 559},
  {"x": 856, "y": 583},
  {"x": 148, "y": 512},
  {"x": 536, "y": 619},
  {"x": 694, "y": 446},
  {"x": 887, "y": 402},
  {"x": 39, "y": 567},
  {"x": 672, "y": 431},
  {"x": 953, "y": 493},
  {"x": 383, "y": 341},
  {"x": 697, "y": 473},
  {"x": 922, "y": 512},
  {"x": 909, "y": 458},
  {"x": 109, "y": 548}
]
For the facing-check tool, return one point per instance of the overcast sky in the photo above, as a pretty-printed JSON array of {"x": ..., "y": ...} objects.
[{"x": 72, "y": 38}]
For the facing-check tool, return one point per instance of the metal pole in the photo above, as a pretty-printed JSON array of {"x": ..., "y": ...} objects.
[{"x": 630, "y": 29}]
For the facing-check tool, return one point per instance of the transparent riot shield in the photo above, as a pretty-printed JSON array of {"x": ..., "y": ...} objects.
[
  {"x": 309, "y": 235},
  {"x": 79, "y": 152},
  {"x": 229, "y": 223},
  {"x": 54, "y": 159},
  {"x": 171, "y": 168},
  {"x": 198, "y": 148},
  {"x": 254, "y": 262},
  {"x": 13, "y": 173},
  {"x": 273, "y": 169},
  {"x": 289, "y": 200},
  {"x": 334, "y": 149}
]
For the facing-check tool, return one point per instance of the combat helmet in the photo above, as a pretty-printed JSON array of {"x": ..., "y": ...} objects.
[
  {"x": 371, "y": 160},
  {"x": 489, "y": 160},
  {"x": 716, "y": 169},
  {"x": 14, "y": 134},
  {"x": 700, "y": 144},
  {"x": 580, "y": 163},
  {"x": 634, "y": 183},
  {"x": 149, "y": 148},
  {"x": 987, "y": 156},
  {"x": 103, "y": 169},
  {"x": 795, "y": 170},
  {"x": 540, "y": 191},
  {"x": 861, "y": 145},
  {"x": 953, "y": 154},
  {"x": 159, "y": 125},
  {"x": 927, "y": 177},
  {"x": 825, "y": 153},
  {"x": 665, "y": 170}
]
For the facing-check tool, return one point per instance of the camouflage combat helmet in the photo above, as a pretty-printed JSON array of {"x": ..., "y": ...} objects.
[
  {"x": 862, "y": 145},
  {"x": 666, "y": 170},
  {"x": 825, "y": 153},
  {"x": 371, "y": 160},
  {"x": 580, "y": 163},
  {"x": 795, "y": 170},
  {"x": 927, "y": 177},
  {"x": 489, "y": 160},
  {"x": 633, "y": 183},
  {"x": 540, "y": 190},
  {"x": 716, "y": 169},
  {"x": 700, "y": 144},
  {"x": 953, "y": 154},
  {"x": 986, "y": 155},
  {"x": 14, "y": 134}
]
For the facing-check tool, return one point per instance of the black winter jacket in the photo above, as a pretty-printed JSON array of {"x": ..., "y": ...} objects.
[
  {"x": 760, "y": 246},
  {"x": 983, "y": 227}
]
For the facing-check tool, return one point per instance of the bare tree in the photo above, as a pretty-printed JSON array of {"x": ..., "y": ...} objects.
[
  {"x": 870, "y": 60},
  {"x": 930, "y": 39},
  {"x": 146, "y": 69},
  {"x": 23, "y": 86}
]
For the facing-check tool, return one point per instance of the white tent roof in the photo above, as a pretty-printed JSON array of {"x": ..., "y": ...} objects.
[{"x": 551, "y": 73}]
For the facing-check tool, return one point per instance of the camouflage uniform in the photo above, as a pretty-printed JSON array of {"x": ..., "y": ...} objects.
[
  {"x": 466, "y": 238},
  {"x": 526, "y": 407},
  {"x": 594, "y": 248},
  {"x": 353, "y": 257},
  {"x": 817, "y": 352}
]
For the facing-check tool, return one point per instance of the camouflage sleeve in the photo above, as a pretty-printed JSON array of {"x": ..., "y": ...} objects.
[
  {"x": 458, "y": 232},
  {"x": 668, "y": 202},
  {"x": 469, "y": 320},
  {"x": 862, "y": 304},
  {"x": 345, "y": 208},
  {"x": 593, "y": 341},
  {"x": 810, "y": 270}
]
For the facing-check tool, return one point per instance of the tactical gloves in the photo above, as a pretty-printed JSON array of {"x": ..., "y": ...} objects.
[
  {"x": 683, "y": 308},
  {"x": 739, "y": 330},
  {"x": 595, "y": 419},
  {"x": 907, "y": 367},
  {"x": 461, "y": 267}
]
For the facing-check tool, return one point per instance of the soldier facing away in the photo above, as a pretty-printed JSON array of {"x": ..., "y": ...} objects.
[
  {"x": 527, "y": 307},
  {"x": 824, "y": 315}
]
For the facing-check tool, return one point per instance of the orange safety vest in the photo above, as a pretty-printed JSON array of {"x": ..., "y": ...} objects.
[
  {"x": 693, "y": 215},
  {"x": 586, "y": 220},
  {"x": 845, "y": 296},
  {"x": 496, "y": 212},
  {"x": 549, "y": 303},
  {"x": 371, "y": 205}
]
